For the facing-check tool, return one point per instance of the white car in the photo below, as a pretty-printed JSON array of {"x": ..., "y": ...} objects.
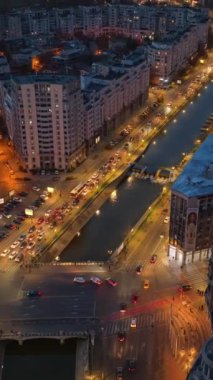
[
  {"x": 19, "y": 258},
  {"x": 35, "y": 188},
  {"x": 12, "y": 255},
  {"x": 133, "y": 323},
  {"x": 166, "y": 220},
  {"x": 5, "y": 252},
  {"x": 47, "y": 213},
  {"x": 79, "y": 280},
  {"x": 96, "y": 280},
  {"x": 15, "y": 244},
  {"x": 40, "y": 236},
  {"x": 31, "y": 245}
]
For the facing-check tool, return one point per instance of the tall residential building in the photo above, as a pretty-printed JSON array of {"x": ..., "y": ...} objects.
[
  {"x": 191, "y": 217},
  {"x": 48, "y": 121},
  {"x": 209, "y": 291}
]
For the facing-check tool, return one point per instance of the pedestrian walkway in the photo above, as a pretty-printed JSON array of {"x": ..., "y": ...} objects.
[{"x": 194, "y": 274}]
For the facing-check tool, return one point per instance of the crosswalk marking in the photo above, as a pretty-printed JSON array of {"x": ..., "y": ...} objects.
[{"x": 142, "y": 321}]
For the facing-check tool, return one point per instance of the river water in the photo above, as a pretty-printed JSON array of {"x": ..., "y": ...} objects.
[
  {"x": 106, "y": 231},
  {"x": 40, "y": 360}
]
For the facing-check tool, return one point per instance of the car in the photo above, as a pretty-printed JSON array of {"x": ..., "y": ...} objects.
[
  {"x": 12, "y": 255},
  {"x": 13, "y": 227},
  {"x": 5, "y": 252},
  {"x": 40, "y": 220},
  {"x": 17, "y": 199},
  {"x": 184, "y": 288},
  {"x": 111, "y": 282},
  {"x": 32, "y": 229},
  {"x": 47, "y": 213},
  {"x": 134, "y": 298},
  {"x": 7, "y": 225},
  {"x": 35, "y": 188},
  {"x": 123, "y": 308},
  {"x": 133, "y": 323},
  {"x": 79, "y": 280},
  {"x": 153, "y": 259},
  {"x": 96, "y": 280},
  {"x": 121, "y": 336},
  {"x": 31, "y": 244},
  {"x": 131, "y": 365},
  {"x": 34, "y": 293},
  {"x": 40, "y": 236},
  {"x": 139, "y": 269},
  {"x": 166, "y": 220},
  {"x": 119, "y": 373},
  {"x": 8, "y": 216},
  {"x": 23, "y": 244},
  {"x": 17, "y": 221},
  {"x": 15, "y": 244},
  {"x": 146, "y": 284},
  {"x": 19, "y": 258},
  {"x": 22, "y": 237},
  {"x": 23, "y": 194}
]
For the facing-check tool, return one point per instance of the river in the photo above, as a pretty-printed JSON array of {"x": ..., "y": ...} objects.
[
  {"x": 40, "y": 359},
  {"x": 106, "y": 231}
]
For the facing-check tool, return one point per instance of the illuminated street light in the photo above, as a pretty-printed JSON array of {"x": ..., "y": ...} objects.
[
  {"x": 78, "y": 233},
  {"x": 154, "y": 143},
  {"x": 97, "y": 212},
  {"x": 165, "y": 131}
]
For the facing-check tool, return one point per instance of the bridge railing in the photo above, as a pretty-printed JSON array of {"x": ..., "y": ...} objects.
[{"x": 48, "y": 334}]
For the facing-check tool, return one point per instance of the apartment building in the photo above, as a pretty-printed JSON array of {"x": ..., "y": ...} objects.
[
  {"x": 191, "y": 217},
  {"x": 47, "y": 121},
  {"x": 121, "y": 88},
  {"x": 171, "y": 55},
  {"x": 209, "y": 290},
  {"x": 136, "y": 21}
]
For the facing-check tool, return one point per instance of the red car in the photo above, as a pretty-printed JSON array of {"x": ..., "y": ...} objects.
[
  {"x": 134, "y": 298},
  {"x": 111, "y": 282},
  {"x": 13, "y": 227},
  {"x": 121, "y": 336},
  {"x": 40, "y": 221}
]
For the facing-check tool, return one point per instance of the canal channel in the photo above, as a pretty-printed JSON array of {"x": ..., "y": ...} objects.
[{"x": 105, "y": 231}]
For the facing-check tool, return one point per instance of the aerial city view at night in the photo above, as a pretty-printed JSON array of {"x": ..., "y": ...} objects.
[{"x": 106, "y": 190}]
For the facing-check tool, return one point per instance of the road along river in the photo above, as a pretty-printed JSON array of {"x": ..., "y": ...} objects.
[{"x": 105, "y": 232}]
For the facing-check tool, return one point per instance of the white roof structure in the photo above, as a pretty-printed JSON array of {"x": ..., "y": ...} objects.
[{"x": 197, "y": 177}]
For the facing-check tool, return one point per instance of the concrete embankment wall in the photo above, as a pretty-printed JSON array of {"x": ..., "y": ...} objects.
[
  {"x": 82, "y": 359},
  {"x": 2, "y": 351}
]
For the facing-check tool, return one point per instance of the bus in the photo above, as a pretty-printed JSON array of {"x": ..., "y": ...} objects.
[{"x": 77, "y": 190}]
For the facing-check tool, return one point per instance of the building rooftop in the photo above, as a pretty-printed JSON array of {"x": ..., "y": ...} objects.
[
  {"x": 51, "y": 78},
  {"x": 197, "y": 177}
]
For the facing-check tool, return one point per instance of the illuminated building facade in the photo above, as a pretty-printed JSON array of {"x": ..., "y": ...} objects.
[{"x": 191, "y": 217}]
